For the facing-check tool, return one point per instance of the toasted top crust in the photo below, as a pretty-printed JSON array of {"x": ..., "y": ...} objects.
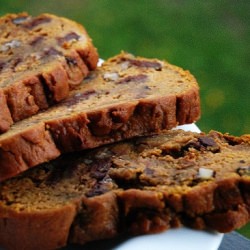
[
  {"x": 144, "y": 185},
  {"x": 125, "y": 97},
  {"x": 30, "y": 42},
  {"x": 43, "y": 56}
]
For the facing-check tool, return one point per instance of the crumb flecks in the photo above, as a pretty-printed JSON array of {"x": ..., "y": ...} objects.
[
  {"x": 100, "y": 112},
  {"x": 29, "y": 48},
  {"x": 128, "y": 187}
]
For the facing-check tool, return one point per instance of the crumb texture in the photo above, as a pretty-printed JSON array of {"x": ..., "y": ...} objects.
[
  {"x": 127, "y": 96},
  {"x": 41, "y": 59},
  {"x": 139, "y": 186}
]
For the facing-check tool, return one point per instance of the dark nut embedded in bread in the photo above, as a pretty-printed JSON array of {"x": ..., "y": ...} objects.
[{"x": 243, "y": 170}]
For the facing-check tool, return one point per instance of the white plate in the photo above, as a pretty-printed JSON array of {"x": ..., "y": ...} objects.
[
  {"x": 189, "y": 127},
  {"x": 174, "y": 239}
]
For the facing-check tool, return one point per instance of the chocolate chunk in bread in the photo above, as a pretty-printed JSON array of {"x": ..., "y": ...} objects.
[
  {"x": 41, "y": 59},
  {"x": 143, "y": 185},
  {"x": 104, "y": 110}
]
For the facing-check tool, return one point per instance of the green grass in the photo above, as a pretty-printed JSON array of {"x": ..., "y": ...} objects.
[{"x": 209, "y": 38}]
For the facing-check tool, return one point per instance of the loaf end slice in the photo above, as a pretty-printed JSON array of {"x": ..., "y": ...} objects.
[
  {"x": 41, "y": 59},
  {"x": 139, "y": 186},
  {"x": 127, "y": 96}
]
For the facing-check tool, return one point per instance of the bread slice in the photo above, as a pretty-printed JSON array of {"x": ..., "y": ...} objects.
[
  {"x": 126, "y": 97},
  {"x": 41, "y": 59},
  {"x": 139, "y": 186}
]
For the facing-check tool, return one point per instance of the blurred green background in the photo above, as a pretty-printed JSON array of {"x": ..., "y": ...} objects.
[{"x": 209, "y": 38}]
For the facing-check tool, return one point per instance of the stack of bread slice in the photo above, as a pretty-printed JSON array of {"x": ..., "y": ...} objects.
[{"x": 89, "y": 153}]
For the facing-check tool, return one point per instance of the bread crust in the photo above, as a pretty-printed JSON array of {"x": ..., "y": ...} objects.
[
  {"x": 50, "y": 229},
  {"x": 144, "y": 185},
  {"x": 104, "y": 110}
]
